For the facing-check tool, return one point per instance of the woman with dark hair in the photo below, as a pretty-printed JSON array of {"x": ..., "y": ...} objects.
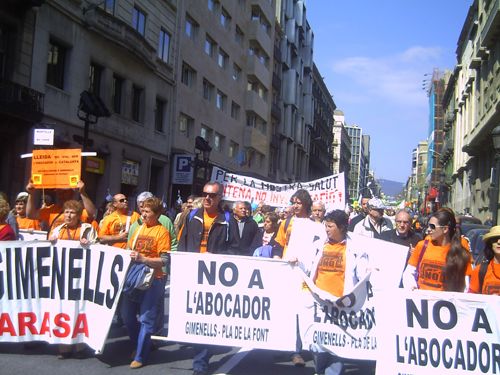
[
  {"x": 485, "y": 278},
  {"x": 331, "y": 275},
  {"x": 441, "y": 261},
  {"x": 264, "y": 239},
  {"x": 301, "y": 209}
]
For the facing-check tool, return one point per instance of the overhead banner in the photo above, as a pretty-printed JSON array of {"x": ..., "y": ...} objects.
[
  {"x": 428, "y": 332},
  {"x": 330, "y": 190},
  {"x": 56, "y": 169},
  {"x": 59, "y": 293},
  {"x": 231, "y": 300}
]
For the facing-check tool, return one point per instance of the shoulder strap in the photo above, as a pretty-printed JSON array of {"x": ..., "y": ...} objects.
[
  {"x": 192, "y": 213},
  {"x": 482, "y": 273},
  {"x": 421, "y": 255},
  {"x": 287, "y": 222}
]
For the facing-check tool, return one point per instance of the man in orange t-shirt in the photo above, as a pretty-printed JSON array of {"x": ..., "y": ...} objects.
[
  {"x": 115, "y": 227},
  {"x": 207, "y": 231}
]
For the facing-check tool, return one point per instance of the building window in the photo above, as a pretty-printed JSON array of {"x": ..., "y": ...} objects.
[
  {"x": 191, "y": 28},
  {"x": 108, "y": 6},
  {"x": 255, "y": 50},
  {"x": 258, "y": 16},
  {"x": 188, "y": 76},
  {"x": 139, "y": 21},
  {"x": 254, "y": 85},
  {"x": 225, "y": 19},
  {"x": 235, "y": 110},
  {"x": 164, "y": 45},
  {"x": 213, "y": 5},
  {"x": 232, "y": 150},
  {"x": 218, "y": 142},
  {"x": 117, "y": 93},
  {"x": 239, "y": 36},
  {"x": 95, "y": 77},
  {"x": 220, "y": 101},
  {"x": 160, "y": 114},
  {"x": 56, "y": 64},
  {"x": 255, "y": 121},
  {"x": 186, "y": 125},
  {"x": 209, "y": 46},
  {"x": 206, "y": 133},
  {"x": 208, "y": 90},
  {"x": 236, "y": 72},
  {"x": 137, "y": 98},
  {"x": 222, "y": 58}
]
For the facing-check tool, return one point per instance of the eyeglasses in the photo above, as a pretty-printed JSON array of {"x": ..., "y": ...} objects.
[
  {"x": 402, "y": 222},
  {"x": 123, "y": 200},
  {"x": 433, "y": 226},
  {"x": 210, "y": 195}
]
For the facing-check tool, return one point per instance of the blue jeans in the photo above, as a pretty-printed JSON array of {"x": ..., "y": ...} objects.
[{"x": 140, "y": 317}]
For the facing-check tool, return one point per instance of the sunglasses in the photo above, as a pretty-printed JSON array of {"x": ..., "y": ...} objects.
[
  {"x": 210, "y": 195},
  {"x": 433, "y": 226},
  {"x": 123, "y": 200}
]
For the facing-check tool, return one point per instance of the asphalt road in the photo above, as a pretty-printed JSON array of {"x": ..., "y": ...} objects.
[{"x": 170, "y": 358}]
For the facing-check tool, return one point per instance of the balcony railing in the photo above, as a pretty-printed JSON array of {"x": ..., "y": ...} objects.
[{"x": 20, "y": 101}]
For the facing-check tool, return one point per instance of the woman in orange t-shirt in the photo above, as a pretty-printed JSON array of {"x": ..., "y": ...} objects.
[
  {"x": 150, "y": 244},
  {"x": 330, "y": 276},
  {"x": 491, "y": 275},
  {"x": 441, "y": 261}
]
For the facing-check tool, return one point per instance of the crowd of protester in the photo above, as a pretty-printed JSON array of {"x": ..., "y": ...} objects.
[{"x": 207, "y": 224}]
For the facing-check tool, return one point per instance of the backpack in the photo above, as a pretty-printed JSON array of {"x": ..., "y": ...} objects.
[{"x": 483, "y": 267}]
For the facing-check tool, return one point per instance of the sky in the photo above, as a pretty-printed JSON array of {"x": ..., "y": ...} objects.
[{"x": 374, "y": 57}]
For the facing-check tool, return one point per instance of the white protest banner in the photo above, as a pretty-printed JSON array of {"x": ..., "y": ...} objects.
[
  {"x": 385, "y": 260},
  {"x": 231, "y": 300},
  {"x": 59, "y": 293},
  {"x": 429, "y": 332},
  {"x": 330, "y": 190},
  {"x": 32, "y": 235},
  {"x": 343, "y": 326},
  {"x": 346, "y": 326}
]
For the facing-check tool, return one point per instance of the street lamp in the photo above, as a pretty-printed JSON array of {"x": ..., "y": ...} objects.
[
  {"x": 203, "y": 149},
  {"x": 90, "y": 108},
  {"x": 495, "y": 136}
]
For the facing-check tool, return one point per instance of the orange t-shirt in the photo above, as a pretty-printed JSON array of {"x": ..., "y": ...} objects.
[
  {"x": 69, "y": 234},
  {"x": 430, "y": 275},
  {"x": 26, "y": 223},
  {"x": 283, "y": 236},
  {"x": 491, "y": 282},
  {"x": 331, "y": 269},
  {"x": 114, "y": 223},
  {"x": 208, "y": 221},
  {"x": 54, "y": 216},
  {"x": 150, "y": 242}
]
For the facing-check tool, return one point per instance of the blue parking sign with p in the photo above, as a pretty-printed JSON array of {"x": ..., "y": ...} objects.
[{"x": 183, "y": 164}]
